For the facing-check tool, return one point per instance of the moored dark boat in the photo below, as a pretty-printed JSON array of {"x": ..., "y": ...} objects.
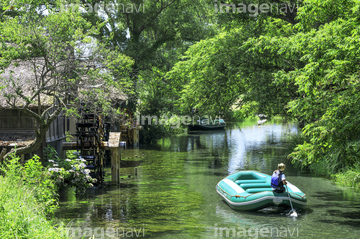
[{"x": 206, "y": 124}]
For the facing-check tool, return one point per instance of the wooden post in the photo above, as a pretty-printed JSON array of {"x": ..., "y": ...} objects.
[
  {"x": 114, "y": 140},
  {"x": 113, "y": 145}
]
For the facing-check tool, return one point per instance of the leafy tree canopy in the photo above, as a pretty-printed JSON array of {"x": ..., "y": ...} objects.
[{"x": 53, "y": 60}]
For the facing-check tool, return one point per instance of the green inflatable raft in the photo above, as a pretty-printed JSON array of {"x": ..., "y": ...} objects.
[{"x": 251, "y": 190}]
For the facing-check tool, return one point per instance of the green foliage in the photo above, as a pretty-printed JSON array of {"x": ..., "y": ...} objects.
[
  {"x": 21, "y": 215},
  {"x": 314, "y": 13},
  {"x": 201, "y": 80},
  {"x": 329, "y": 104},
  {"x": 27, "y": 195},
  {"x": 301, "y": 64},
  {"x": 150, "y": 35},
  {"x": 171, "y": 125},
  {"x": 69, "y": 172},
  {"x": 247, "y": 110},
  {"x": 237, "y": 67},
  {"x": 154, "y": 37},
  {"x": 154, "y": 93},
  {"x": 307, "y": 71},
  {"x": 155, "y": 101},
  {"x": 349, "y": 177},
  {"x": 35, "y": 177},
  {"x": 69, "y": 137},
  {"x": 72, "y": 154},
  {"x": 50, "y": 153},
  {"x": 64, "y": 65}
]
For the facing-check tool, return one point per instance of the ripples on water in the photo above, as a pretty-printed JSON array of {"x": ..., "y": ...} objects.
[{"x": 173, "y": 195}]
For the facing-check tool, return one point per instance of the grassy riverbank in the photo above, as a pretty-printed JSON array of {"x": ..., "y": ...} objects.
[
  {"x": 349, "y": 177},
  {"x": 329, "y": 166},
  {"x": 27, "y": 200}
]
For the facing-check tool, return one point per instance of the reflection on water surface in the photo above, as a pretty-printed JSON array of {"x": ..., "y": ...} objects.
[{"x": 173, "y": 195}]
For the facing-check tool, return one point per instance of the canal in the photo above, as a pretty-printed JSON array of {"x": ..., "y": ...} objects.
[{"x": 173, "y": 195}]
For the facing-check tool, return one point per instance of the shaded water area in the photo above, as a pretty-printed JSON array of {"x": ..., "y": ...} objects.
[{"x": 173, "y": 195}]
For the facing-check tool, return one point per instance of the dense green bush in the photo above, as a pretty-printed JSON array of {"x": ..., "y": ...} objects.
[
  {"x": 27, "y": 196},
  {"x": 68, "y": 172},
  {"x": 34, "y": 176},
  {"x": 246, "y": 110},
  {"x": 349, "y": 177}
]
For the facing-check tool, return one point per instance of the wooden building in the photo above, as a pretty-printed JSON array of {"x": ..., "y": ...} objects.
[{"x": 17, "y": 127}]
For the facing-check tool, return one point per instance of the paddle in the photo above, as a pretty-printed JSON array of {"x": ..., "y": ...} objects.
[{"x": 292, "y": 213}]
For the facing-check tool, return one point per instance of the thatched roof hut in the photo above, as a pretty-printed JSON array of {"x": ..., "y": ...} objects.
[
  {"x": 21, "y": 76},
  {"x": 26, "y": 76}
]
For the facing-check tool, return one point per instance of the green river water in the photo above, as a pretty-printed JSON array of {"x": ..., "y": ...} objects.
[{"x": 173, "y": 195}]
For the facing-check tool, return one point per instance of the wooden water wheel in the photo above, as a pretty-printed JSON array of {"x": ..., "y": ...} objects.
[{"x": 90, "y": 132}]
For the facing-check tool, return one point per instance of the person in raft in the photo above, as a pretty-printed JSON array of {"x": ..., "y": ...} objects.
[{"x": 278, "y": 179}]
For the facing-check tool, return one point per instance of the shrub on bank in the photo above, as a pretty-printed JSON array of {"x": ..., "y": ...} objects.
[
  {"x": 350, "y": 177},
  {"x": 329, "y": 165},
  {"x": 27, "y": 195},
  {"x": 68, "y": 172}
]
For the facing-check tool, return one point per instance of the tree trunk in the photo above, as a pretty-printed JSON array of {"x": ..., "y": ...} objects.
[{"x": 43, "y": 123}]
